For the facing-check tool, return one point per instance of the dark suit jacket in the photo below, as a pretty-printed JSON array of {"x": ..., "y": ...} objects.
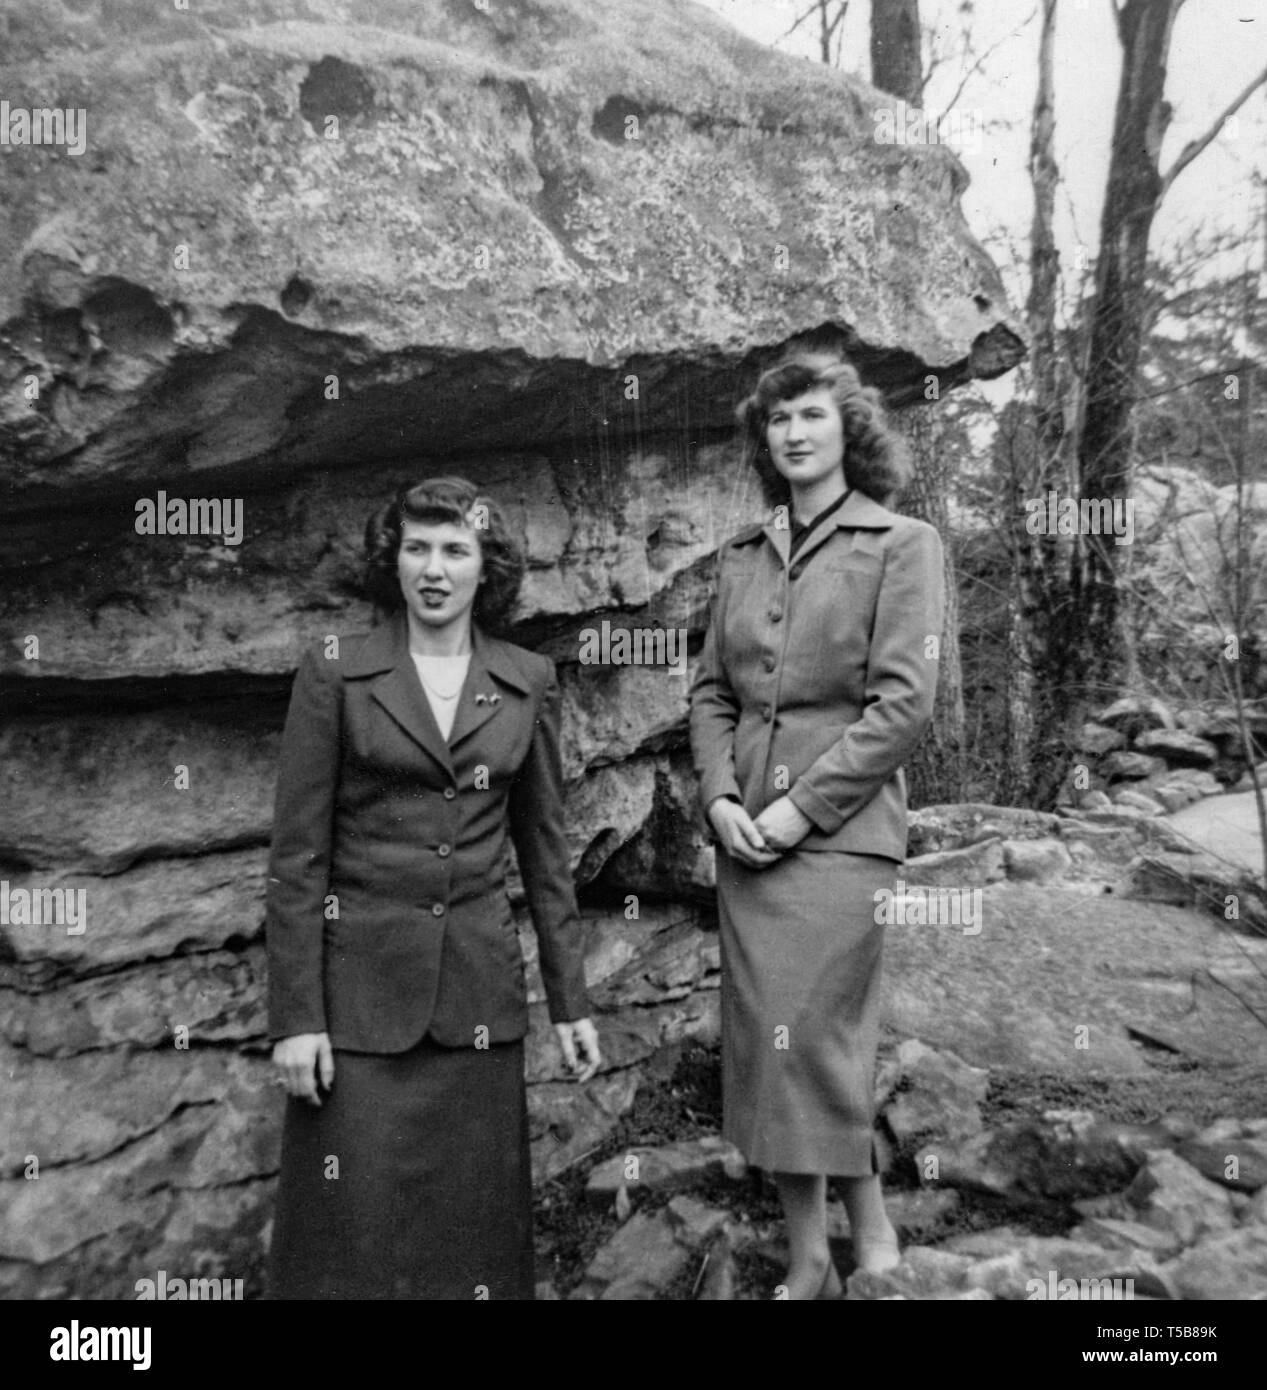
[
  {"x": 817, "y": 679},
  {"x": 403, "y": 835}
]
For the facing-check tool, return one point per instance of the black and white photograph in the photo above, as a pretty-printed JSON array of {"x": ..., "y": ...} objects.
[{"x": 634, "y": 665}]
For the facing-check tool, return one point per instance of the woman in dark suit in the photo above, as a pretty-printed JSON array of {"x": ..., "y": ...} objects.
[
  {"x": 396, "y": 991},
  {"x": 816, "y": 680}
]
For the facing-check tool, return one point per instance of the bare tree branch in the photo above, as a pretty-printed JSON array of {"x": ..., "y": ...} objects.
[
  {"x": 813, "y": 9},
  {"x": 1194, "y": 147},
  {"x": 967, "y": 75}
]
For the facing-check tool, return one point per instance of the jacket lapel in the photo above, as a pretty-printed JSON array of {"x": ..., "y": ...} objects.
[
  {"x": 858, "y": 512},
  {"x": 483, "y": 697},
  {"x": 384, "y": 656},
  {"x": 780, "y": 538}
]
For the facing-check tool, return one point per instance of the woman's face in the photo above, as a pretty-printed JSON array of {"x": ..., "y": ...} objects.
[
  {"x": 440, "y": 565},
  {"x": 806, "y": 438}
]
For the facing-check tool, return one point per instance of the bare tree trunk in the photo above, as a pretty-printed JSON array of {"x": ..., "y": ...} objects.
[
  {"x": 1037, "y": 751},
  {"x": 1117, "y": 324},
  {"x": 937, "y": 771},
  {"x": 895, "y": 49}
]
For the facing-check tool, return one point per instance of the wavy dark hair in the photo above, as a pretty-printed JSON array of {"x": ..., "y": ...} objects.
[
  {"x": 876, "y": 461},
  {"x": 438, "y": 500}
]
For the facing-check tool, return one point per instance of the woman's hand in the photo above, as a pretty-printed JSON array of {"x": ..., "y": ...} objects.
[
  {"x": 783, "y": 825},
  {"x": 301, "y": 1060},
  {"x": 740, "y": 837},
  {"x": 579, "y": 1035}
]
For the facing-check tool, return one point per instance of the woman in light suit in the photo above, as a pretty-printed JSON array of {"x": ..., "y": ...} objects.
[
  {"x": 816, "y": 680},
  {"x": 396, "y": 991}
]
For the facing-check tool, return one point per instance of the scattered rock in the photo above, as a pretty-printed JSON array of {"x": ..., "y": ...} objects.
[
  {"x": 669, "y": 1167},
  {"x": 1231, "y": 1152},
  {"x": 1126, "y": 766},
  {"x": 694, "y": 1223},
  {"x": 1195, "y": 779},
  {"x": 1098, "y": 739},
  {"x": 957, "y": 825},
  {"x": 1135, "y": 714},
  {"x": 1036, "y": 861},
  {"x": 566, "y": 1121},
  {"x": 1171, "y": 1195},
  {"x": 1177, "y": 747},
  {"x": 954, "y": 868},
  {"x": 1175, "y": 797},
  {"x": 1117, "y": 1233},
  {"x": 1064, "y": 1155},
  {"x": 937, "y": 1094},
  {"x": 638, "y": 1263},
  {"x": 1209, "y": 724},
  {"x": 1198, "y": 880},
  {"x": 1228, "y": 1266},
  {"x": 1137, "y": 801},
  {"x": 1100, "y": 1273}
]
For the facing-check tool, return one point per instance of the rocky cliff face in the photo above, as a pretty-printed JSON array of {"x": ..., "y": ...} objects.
[{"x": 545, "y": 245}]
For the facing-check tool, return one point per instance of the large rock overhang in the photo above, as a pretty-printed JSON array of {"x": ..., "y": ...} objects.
[{"x": 526, "y": 206}]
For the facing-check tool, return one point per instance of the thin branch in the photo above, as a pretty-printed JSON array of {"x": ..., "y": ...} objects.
[
  {"x": 813, "y": 9},
  {"x": 1194, "y": 147},
  {"x": 967, "y": 75}
]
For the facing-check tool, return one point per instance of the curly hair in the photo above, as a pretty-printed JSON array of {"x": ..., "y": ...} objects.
[
  {"x": 875, "y": 461},
  {"x": 437, "y": 500}
]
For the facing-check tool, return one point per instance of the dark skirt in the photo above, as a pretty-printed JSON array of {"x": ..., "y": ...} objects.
[
  {"x": 412, "y": 1181},
  {"x": 801, "y": 963}
]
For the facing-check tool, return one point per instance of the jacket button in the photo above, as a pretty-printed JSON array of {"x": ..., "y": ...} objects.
[
  {"x": 768, "y": 662},
  {"x": 437, "y": 910},
  {"x": 766, "y": 713},
  {"x": 449, "y": 793},
  {"x": 795, "y": 571},
  {"x": 443, "y": 850},
  {"x": 776, "y": 615}
]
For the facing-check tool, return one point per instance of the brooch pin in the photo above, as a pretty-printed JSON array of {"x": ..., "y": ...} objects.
[{"x": 488, "y": 699}]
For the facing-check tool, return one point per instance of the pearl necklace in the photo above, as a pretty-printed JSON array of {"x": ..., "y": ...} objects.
[{"x": 440, "y": 694}]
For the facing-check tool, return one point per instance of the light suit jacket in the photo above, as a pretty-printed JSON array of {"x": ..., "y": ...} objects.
[
  {"x": 816, "y": 681},
  {"x": 404, "y": 834}
]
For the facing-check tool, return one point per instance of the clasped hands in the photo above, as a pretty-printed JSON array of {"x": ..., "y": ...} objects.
[
  {"x": 306, "y": 1059},
  {"x": 758, "y": 843}
]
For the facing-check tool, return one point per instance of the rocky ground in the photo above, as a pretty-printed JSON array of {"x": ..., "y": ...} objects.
[{"x": 1001, "y": 1183}]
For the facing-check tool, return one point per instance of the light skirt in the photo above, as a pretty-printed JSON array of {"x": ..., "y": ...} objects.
[{"x": 801, "y": 965}]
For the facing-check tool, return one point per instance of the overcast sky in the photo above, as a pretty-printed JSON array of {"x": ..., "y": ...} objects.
[{"x": 1218, "y": 47}]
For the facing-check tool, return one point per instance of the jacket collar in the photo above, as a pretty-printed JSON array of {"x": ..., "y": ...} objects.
[
  {"x": 384, "y": 656},
  {"x": 857, "y": 512}
]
